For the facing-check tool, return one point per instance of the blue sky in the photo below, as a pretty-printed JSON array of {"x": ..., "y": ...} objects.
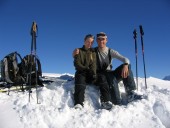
[{"x": 62, "y": 25}]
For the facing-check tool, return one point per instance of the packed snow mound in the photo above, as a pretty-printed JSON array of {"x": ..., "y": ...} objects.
[
  {"x": 57, "y": 75},
  {"x": 56, "y": 107}
]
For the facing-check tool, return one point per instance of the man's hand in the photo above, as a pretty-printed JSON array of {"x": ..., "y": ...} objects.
[
  {"x": 75, "y": 52},
  {"x": 125, "y": 71}
]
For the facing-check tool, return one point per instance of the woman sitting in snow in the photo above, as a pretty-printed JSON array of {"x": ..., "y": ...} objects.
[{"x": 85, "y": 65}]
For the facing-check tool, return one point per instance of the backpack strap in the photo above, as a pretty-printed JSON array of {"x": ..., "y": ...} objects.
[
  {"x": 39, "y": 67},
  {"x": 7, "y": 79},
  {"x": 110, "y": 58},
  {"x": 18, "y": 55},
  {"x": 99, "y": 68},
  {"x": 15, "y": 65},
  {"x": 15, "y": 62}
]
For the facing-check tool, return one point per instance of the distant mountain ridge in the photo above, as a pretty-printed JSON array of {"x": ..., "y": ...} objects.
[{"x": 167, "y": 78}]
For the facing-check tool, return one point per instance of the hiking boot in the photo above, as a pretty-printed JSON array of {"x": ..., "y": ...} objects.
[
  {"x": 119, "y": 102},
  {"x": 106, "y": 105},
  {"x": 134, "y": 96},
  {"x": 78, "y": 106}
]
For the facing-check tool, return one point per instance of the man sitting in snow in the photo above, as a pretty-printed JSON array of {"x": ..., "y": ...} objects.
[
  {"x": 104, "y": 57},
  {"x": 123, "y": 72}
]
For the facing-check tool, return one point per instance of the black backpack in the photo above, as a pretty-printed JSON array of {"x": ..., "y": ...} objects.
[
  {"x": 11, "y": 72},
  {"x": 31, "y": 66}
]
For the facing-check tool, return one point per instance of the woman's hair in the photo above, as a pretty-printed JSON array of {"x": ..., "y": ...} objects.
[{"x": 88, "y": 36}]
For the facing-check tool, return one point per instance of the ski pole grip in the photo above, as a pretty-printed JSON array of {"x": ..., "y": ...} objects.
[
  {"x": 34, "y": 26},
  {"x": 34, "y": 29},
  {"x": 141, "y": 30}
]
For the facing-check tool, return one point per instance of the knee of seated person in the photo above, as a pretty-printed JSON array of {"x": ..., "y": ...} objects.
[
  {"x": 101, "y": 79},
  {"x": 79, "y": 79}
]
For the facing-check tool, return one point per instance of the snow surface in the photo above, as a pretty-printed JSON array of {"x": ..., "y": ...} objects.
[{"x": 55, "y": 108}]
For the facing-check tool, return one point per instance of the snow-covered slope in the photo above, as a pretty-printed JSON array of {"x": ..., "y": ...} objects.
[{"x": 55, "y": 108}]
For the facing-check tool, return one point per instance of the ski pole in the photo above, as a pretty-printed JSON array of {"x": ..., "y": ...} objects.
[
  {"x": 142, "y": 33},
  {"x": 33, "y": 29},
  {"x": 136, "y": 55},
  {"x": 29, "y": 76},
  {"x": 33, "y": 52}
]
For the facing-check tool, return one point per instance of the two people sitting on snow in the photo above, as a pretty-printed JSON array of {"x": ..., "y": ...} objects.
[{"x": 106, "y": 78}]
